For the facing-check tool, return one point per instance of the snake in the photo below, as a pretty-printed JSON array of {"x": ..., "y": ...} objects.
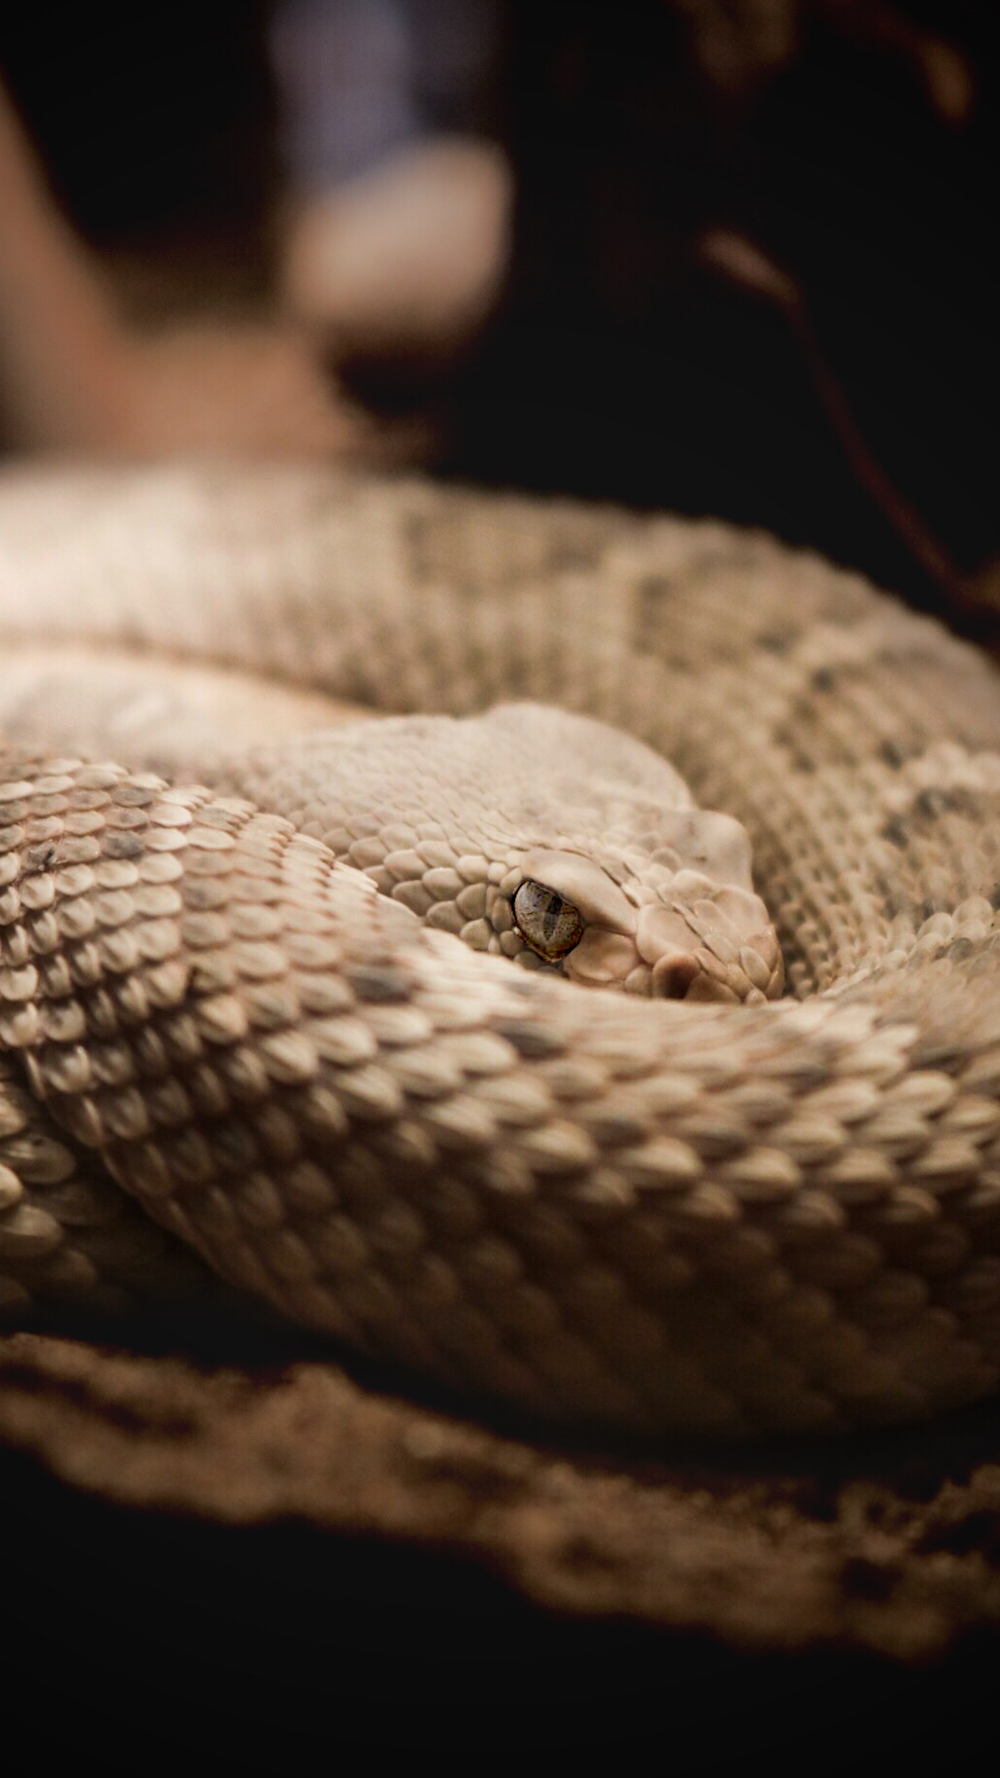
[{"x": 550, "y": 950}]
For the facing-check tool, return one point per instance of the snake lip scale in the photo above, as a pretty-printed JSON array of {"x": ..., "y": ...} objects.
[{"x": 318, "y": 1011}]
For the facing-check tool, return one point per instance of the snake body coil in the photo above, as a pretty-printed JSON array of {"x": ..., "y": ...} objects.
[{"x": 605, "y": 1208}]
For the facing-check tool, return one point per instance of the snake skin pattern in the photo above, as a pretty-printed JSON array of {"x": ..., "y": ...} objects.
[{"x": 222, "y": 1048}]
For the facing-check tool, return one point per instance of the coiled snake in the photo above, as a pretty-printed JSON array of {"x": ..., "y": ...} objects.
[{"x": 685, "y": 1205}]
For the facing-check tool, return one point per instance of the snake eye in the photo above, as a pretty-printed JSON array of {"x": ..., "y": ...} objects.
[{"x": 546, "y": 921}]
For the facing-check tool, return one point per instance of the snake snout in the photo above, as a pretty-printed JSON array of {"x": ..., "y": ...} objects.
[{"x": 714, "y": 947}]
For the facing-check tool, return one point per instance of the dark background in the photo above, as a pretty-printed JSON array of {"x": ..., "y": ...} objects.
[
  {"x": 148, "y": 1643},
  {"x": 854, "y": 141}
]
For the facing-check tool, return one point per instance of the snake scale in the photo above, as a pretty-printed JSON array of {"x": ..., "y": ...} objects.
[{"x": 245, "y": 1028}]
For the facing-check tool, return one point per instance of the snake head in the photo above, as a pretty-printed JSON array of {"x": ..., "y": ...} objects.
[{"x": 695, "y": 932}]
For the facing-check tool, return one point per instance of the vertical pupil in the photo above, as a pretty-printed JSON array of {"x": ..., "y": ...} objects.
[{"x": 550, "y": 915}]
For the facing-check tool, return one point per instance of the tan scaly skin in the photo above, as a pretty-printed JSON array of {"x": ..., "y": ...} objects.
[{"x": 634, "y": 1209}]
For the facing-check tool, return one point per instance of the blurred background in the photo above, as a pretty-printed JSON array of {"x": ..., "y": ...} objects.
[{"x": 721, "y": 256}]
